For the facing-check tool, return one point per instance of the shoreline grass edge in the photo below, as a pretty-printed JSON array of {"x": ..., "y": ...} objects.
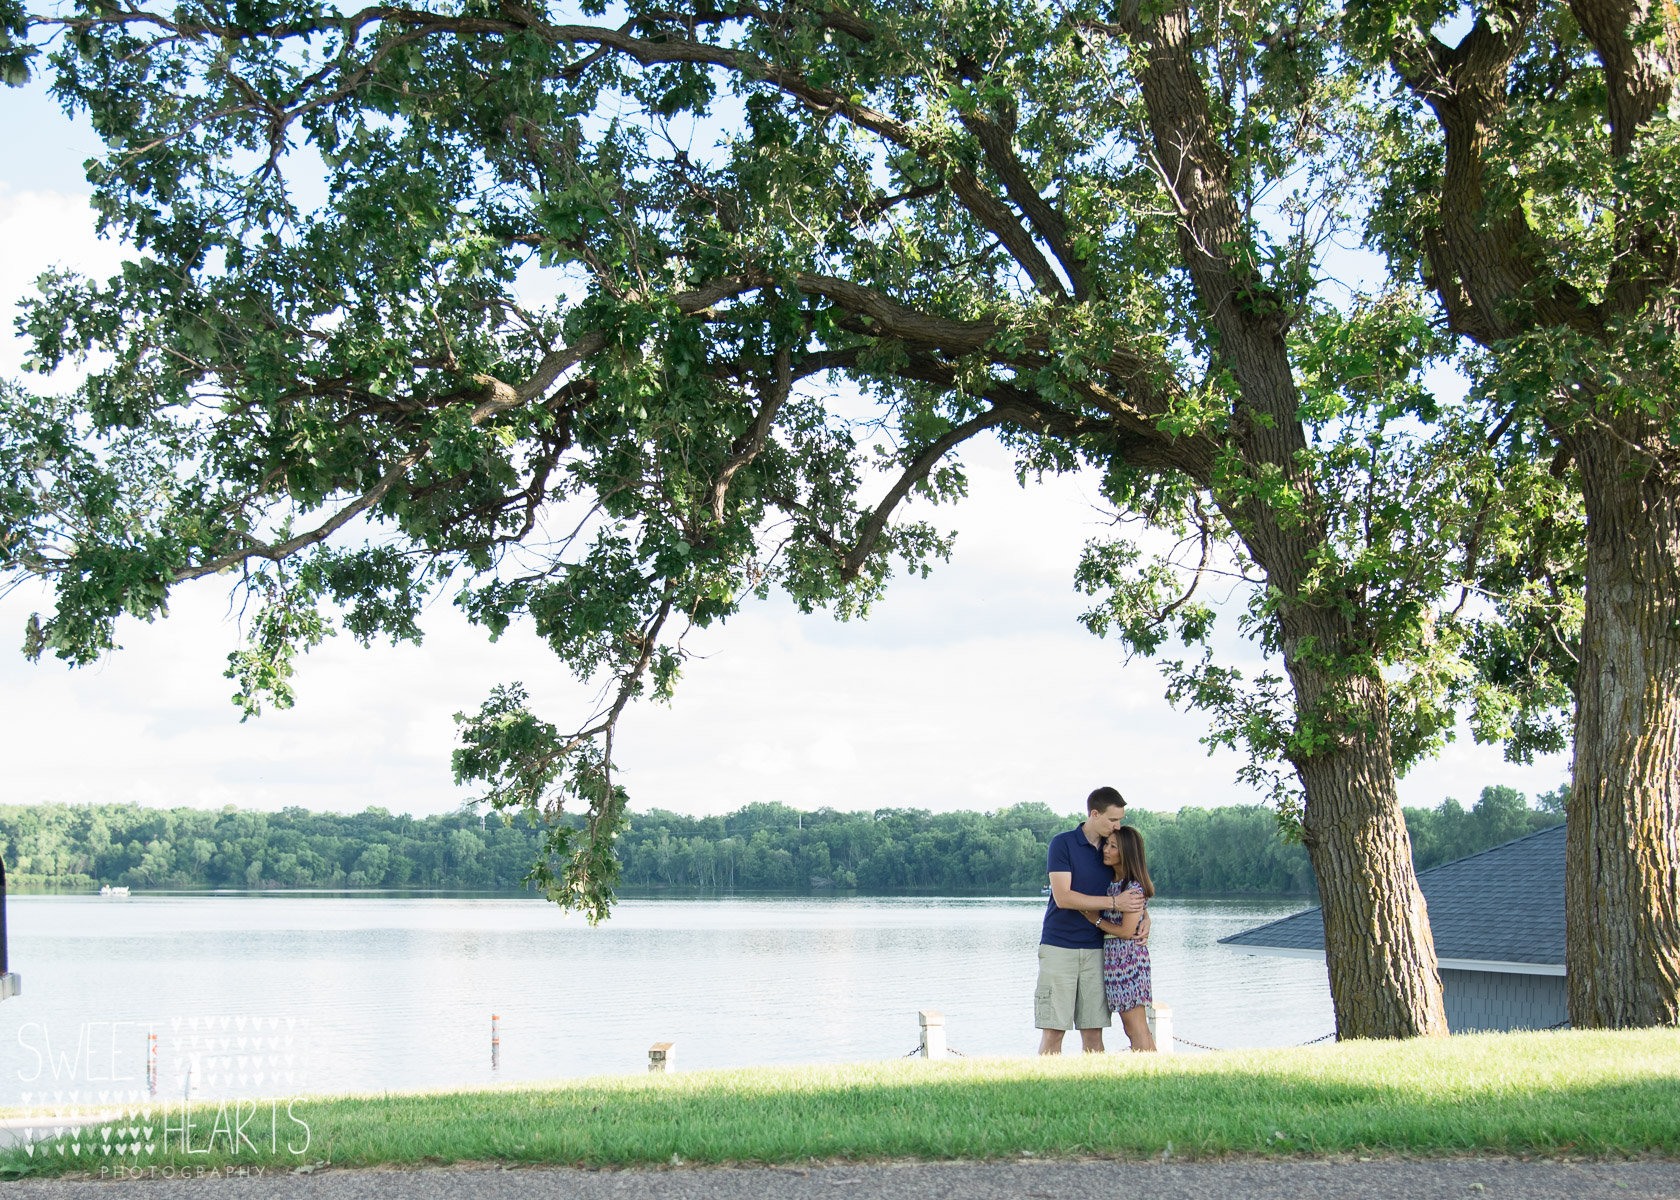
[{"x": 1593, "y": 1094}]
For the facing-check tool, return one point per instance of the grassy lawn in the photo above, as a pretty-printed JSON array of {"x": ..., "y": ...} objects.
[{"x": 1533, "y": 1093}]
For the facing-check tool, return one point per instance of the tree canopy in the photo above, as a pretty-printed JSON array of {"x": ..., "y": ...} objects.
[{"x": 610, "y": 322}]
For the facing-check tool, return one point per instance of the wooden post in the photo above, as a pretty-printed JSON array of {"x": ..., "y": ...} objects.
[
  {"x": 10, "y": 984},
  {"x": 660, "y": 1055},
  {"x": 1160, "y": 1026},
  {"x": 933, "y": 1033}
]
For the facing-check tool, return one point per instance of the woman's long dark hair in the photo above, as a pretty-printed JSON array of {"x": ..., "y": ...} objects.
[{"x": 1133, "y": 865}]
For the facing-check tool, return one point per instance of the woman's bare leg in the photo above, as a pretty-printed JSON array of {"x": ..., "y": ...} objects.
[{"x": 1136, "y": 1025}]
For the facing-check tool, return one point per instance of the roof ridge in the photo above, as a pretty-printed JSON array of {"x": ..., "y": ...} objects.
[
  {"x": 1494, "y": 849},
  {"x": 1269, "y": 924},
  {"x": 1422, "y": 877}
]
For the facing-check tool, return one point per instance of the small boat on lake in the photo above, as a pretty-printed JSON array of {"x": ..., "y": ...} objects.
[{"x": 114, "y": 893}]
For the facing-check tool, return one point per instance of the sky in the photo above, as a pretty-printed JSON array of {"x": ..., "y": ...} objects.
[{"x": 974, "y": 689}]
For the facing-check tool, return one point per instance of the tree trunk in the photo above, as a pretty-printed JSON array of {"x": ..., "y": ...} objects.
[
  {"x": 1622, "y": 880},
  {"x": 1384, "y": 982},
  {"x": 1486, "y": 263},
  {"x": 1381, "y": 956}
]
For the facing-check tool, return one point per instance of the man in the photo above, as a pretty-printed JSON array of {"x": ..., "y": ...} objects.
[{"x": 1070, "y": 982}]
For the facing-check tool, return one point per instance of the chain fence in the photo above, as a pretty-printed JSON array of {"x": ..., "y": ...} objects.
[
  {"x": 1198, "y": 1045},
  {"x": 1215, "y": 1049},
  {"x": 1184, "y": 1040},
  {"x": 1563, "y": 1024}
]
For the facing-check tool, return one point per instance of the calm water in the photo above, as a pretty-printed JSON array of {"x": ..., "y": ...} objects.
[{"x": 281, "y": 993}]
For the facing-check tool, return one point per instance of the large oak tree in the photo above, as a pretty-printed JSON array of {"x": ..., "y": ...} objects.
[
  {"x": 1097, "y": 233},
  {"x": 1534, "y": 184}
]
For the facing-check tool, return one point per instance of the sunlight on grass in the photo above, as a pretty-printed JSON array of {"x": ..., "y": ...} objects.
[{"x": 1532, "y": 1093}]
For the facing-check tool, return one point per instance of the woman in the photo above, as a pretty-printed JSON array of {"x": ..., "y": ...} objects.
[{"x": 1126, "y": 960}]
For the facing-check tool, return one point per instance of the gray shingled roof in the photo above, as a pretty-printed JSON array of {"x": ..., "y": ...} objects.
[{"x": 1502, "y": 905}]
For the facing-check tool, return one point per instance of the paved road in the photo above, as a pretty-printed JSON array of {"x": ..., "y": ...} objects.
[{"x": 1239, "y": 1180}]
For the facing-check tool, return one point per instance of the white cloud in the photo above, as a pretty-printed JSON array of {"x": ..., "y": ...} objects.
[
  {"x": 41, "y": 231},
  {"x": 831, "y": 753}
]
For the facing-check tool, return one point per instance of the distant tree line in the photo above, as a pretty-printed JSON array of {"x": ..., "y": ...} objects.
[
  {"x": 762, "y": 847},
  {"x": 1234, "y": 849}
]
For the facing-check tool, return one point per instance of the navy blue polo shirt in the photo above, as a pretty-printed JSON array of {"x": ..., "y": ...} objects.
[{"x": 1072, "y": 852}]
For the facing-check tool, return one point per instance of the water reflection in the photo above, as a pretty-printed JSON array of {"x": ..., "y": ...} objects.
[{"x": 288, "y": 992}]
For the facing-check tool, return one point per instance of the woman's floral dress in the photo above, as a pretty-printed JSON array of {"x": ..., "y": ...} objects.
[{"x": 1125, "y": 962}]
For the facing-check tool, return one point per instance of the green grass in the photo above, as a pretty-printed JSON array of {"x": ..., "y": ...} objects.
[{"x": 1532, "y": 1093}]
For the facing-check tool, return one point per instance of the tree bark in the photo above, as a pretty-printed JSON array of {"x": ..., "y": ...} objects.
[
  {"x": 1623, "y": 874},
  {"x": 1622, "y": 881},
  {"x": 1378, "y": 946}
]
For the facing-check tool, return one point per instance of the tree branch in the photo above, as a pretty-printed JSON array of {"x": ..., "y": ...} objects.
[
  {"x": 1481, "y": 261},
  {"x": 320, "y": 533},
  {"x": 1000, "y": 153},
  {"x": 852, "y": 565},
  {"x": 749, "y": 445}
]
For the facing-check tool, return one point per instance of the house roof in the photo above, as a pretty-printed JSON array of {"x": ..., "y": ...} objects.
[{"x": 1501, "y": 909}]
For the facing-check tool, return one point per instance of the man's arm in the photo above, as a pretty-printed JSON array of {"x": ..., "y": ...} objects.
[{"x": 1061, "y": 891}]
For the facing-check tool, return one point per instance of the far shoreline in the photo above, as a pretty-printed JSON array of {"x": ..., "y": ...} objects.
[{"x": 666, "y": 893}]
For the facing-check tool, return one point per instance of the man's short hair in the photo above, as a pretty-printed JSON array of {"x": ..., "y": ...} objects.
[{"x": 1104, "y": 798}]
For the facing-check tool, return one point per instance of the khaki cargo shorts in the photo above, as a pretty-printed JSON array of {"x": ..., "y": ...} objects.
[{"x": 1070, "y": 989}]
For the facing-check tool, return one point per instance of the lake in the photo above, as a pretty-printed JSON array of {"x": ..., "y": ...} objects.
[{"x": 284, "y": 992}]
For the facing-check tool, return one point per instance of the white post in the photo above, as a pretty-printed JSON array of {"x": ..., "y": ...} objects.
[
  {"x": 660, "y": 1055},
  {"x": 1160, "y": 1026},
  {"x": 933, "y": 1033}
]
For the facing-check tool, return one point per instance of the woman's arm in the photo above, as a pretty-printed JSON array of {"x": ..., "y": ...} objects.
[{"x": 1131, "y": 918}]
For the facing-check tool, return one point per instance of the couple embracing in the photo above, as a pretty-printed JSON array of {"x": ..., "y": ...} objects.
[{"x": 1093, "y": 958}]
